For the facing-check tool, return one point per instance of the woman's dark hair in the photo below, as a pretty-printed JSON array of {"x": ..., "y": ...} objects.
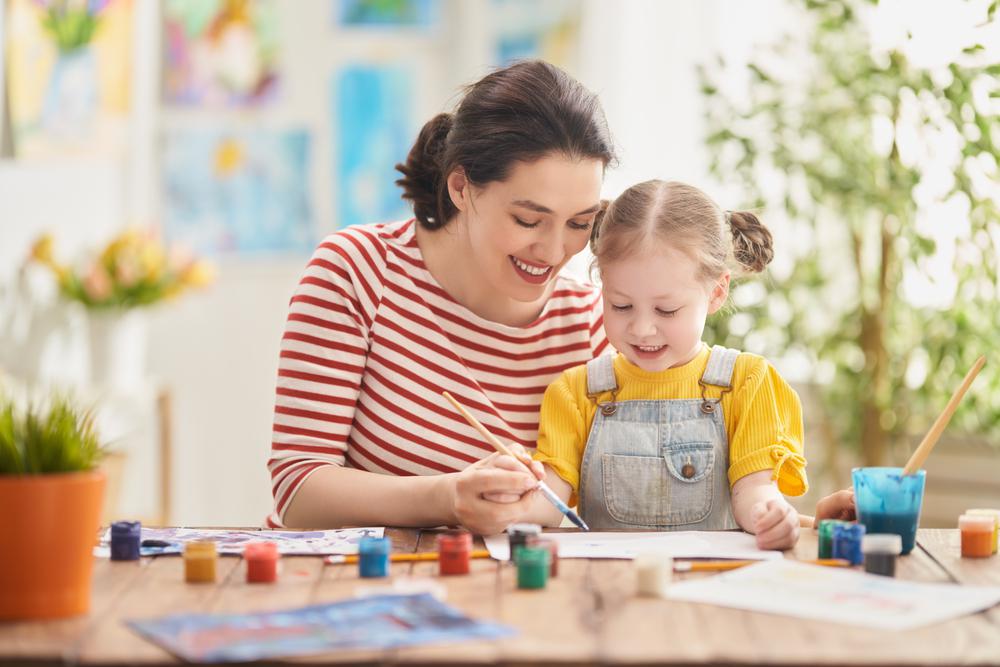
[{"x": 516, "y": 114}]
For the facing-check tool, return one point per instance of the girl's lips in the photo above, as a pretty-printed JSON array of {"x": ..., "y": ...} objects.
[
  {"x": 647, "y": 354},
  {"x": 527, "y": 276}
]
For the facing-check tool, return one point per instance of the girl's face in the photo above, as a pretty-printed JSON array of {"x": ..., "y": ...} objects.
[
  {"x": 524, "y": 229},
  {"x": 655, "y": 307}
]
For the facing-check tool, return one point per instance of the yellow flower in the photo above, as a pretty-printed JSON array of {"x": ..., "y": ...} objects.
[
  {"x": 41, "y": 251},
  {"x": 198, "y": 274}
]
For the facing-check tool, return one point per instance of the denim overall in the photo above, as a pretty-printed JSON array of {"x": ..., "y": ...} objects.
[{"x": 658, "y": 464}]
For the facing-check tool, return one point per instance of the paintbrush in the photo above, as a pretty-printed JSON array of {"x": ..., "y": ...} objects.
[
  {"x": 923, "y": 450},
  {"x": 403, "y": 558},
  {"x": 549, "y": 494},
  {"x": 721, "y": 565}
]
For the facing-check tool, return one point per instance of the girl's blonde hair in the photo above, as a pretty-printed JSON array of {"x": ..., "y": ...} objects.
[{"x": 688, "y": 219}]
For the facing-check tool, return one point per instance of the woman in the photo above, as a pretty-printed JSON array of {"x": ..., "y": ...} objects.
[{"x": 465, "y": 298}]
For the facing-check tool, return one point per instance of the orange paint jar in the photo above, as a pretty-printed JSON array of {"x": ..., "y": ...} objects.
[
  {"x": 977, "y": 535},
  {"x": 200, "y": 557},
  {"x": 262, "y": 562}
]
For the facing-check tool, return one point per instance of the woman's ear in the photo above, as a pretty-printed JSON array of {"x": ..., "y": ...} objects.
[
  {"x": 459, "y": 189},
  {"x": 720, "y": 292}
]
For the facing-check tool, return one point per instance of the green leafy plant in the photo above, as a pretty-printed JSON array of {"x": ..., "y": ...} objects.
[
  {"x": 57, "y": 438},
  {"x": 866, "y": 162},
  {"x": 71, "y": 23}
]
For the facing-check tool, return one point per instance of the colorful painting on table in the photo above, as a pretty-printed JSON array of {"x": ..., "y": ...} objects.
[
  {"x": 220, "y": 52},
  {"x": 546, "y": 29},
  {"x": 388, "y": 13},
  {"x": 68, "y": 75},
  {"x": 238, "y": 192},
  {"x": 374, "y": 130}
]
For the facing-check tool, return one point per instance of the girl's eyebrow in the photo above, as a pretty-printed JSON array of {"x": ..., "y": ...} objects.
[
  {"x": 660, "y": 297},
  {"x": 538, "y": 208}
]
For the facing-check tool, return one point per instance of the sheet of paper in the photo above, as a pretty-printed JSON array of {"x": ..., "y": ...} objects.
[
  {"x": 836, "y": 595},
  {"x": 232, "y": 542},
  {"x": 377, "y": 622},
  {"x": 682, "y": 544}
]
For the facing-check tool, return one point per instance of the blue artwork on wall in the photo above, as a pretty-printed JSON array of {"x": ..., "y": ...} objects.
[
  {"x": 238, "y": 192},
  {"x": 389, "y": 13},
  {"x": 374, "y": 131}
]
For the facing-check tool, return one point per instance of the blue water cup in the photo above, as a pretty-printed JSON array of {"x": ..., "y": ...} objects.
[{"x": 889, "y": 501}]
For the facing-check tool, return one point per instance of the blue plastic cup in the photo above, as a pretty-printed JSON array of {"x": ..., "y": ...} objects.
[{"x": 889, "y": 501}]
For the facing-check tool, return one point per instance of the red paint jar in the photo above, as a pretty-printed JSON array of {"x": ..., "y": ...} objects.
[
  {"x": 553, "y": 548},
  {"x": 454, "y": 548},
  {"x": 262, "y": 562}
]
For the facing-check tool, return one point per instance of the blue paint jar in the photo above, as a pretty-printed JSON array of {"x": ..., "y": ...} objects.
[
  {"x": 125, "y": 540},
  {"x": 847, "y": 542},
  {"x": 373, "y": 556}
]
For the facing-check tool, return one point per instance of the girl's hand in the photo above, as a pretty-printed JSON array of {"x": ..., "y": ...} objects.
[
  {"x": 474, "y": 489},
  {"x": 775, "y": 523},
  {"x": 839, "y": 505}
]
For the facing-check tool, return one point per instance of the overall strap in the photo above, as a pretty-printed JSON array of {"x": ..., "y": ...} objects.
[
  {"x": 719, "y": 373},
  {"x": 601, "y": 375}
]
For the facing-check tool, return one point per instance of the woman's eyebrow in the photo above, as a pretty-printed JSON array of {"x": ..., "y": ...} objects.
[{"x": 538, "y": 208}]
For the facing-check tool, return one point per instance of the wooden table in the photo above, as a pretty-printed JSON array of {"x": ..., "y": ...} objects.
[{"x": 586, "y": 616}]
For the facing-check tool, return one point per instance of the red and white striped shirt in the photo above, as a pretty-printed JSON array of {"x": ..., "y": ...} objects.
[{"x": 372, "y": 340}]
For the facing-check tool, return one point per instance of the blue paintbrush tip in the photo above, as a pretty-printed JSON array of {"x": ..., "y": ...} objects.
[{"x": 575, "y": 518}]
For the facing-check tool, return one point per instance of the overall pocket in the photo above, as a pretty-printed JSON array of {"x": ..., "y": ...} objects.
[{"x": 692, "y": 475}]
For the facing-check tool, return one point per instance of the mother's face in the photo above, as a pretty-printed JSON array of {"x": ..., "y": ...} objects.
[{"x": 524, "y": 229}]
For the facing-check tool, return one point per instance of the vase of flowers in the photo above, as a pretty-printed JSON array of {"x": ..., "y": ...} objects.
[{"x": 131, "y": 273}]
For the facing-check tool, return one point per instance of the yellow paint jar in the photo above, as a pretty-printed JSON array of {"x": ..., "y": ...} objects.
[
  {"x": 200, "y": 557},
  {"x": 996, "y": 521}
]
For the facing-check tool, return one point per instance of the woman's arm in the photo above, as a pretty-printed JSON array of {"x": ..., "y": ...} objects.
[
  {"x": 334, "y": 496},
  {"x": 759, "y": 508}
]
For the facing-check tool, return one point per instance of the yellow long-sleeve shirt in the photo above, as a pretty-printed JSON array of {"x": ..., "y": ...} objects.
[{"x": 763, "y": 417}]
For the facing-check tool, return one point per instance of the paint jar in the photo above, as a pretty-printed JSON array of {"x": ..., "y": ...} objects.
[
  {"x": 653, "y": 573},
  {"x": 454, "y": 548},
  {"x": 889, "y": 501},
  {"x": 200, "y": 558},
  {"x": 826, "y": 536},
  {"x": 125, "y": 540},
  {"x": 518, "y": 534},
  {"x": 977, "y": 535},
  {"x": 996, "y": 521},
  {"x": 532, "y": 567},
  {"x": 553, "y": 547},
  {"x": 373, "y": 556},
  {"x": 262, "y": 562},
  {"x": 847, "y": 542},
  {"x": 881, "y": 551}
]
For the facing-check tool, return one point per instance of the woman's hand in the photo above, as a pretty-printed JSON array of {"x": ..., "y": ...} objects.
[
  {"x": 775, "y": 523},
  {"x": 493, "y": 493},
  {"x": 839, "y": 505}
]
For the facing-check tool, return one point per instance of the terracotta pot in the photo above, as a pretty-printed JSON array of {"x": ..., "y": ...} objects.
[{"x": 48, "y": 527}]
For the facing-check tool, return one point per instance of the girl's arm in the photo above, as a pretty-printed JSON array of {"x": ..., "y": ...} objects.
[{"x": 760, "y": 509}]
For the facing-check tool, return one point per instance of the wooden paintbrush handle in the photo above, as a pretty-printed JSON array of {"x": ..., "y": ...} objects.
[{"x": 927, "y": 444}]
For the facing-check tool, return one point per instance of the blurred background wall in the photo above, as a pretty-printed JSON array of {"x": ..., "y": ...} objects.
[{"x": 242, "y": 132}]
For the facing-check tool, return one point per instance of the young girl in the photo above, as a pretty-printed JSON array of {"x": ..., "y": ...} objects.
[{"x": 670, "y": 434}]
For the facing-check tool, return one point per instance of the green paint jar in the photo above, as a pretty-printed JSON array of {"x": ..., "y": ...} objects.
[
  {"x": 532, "y": 567},
  {"x": 826, "y": 536}
]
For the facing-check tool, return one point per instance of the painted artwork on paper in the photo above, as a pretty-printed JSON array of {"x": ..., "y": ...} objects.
[
  {"x": 387, "y": 13},
  {"x": 220, "y": 52},
  {"x": 546, "y": 29},
  {"x": 374, "y": 129},
  {"x": 68, "y": 75},
  {"x": 238, "y": 192}
]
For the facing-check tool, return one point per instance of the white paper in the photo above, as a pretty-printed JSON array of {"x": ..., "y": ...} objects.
[
  {"x": 836, "y": 595},
  {"x": 683, "y": 544},
  {"x": 232, "y": 542}
]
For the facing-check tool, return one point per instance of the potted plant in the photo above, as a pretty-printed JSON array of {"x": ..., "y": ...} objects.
[{"x": 51, "y": 493}]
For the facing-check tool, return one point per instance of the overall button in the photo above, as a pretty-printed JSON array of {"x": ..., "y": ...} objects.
[
  {"x": 687, "y": 471},
  {"x": 608, "y": 409}
]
